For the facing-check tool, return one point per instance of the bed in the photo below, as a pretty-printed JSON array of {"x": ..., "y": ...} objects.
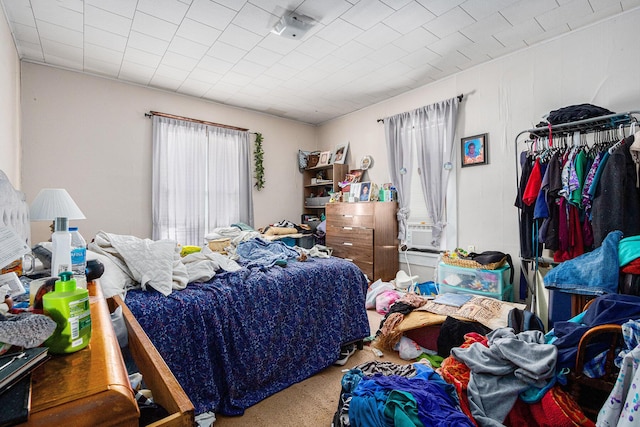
[{"x": 241, "y": 336}]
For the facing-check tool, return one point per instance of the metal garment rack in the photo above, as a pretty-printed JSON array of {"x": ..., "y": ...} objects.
[{"x": 595, "y": 124}]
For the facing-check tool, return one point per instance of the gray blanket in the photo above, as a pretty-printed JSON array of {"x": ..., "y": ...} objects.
[{"x": 508, "y": 366}]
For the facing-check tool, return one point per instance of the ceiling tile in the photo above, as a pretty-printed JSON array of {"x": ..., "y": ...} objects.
[
  {"x": 124, "y": 8},
  {"x": 281, "y": 45},
  {"x": 52, "y": 48},
  {"x": 262, "y": 57},
  {"x": 202, "y": 75},
  {"x": 59, "y": 34},
  {"x": 339, "y": 32},
  {"x": 153, "y": 27},
  {"x": 239, "y": 37},
  {"x": 31, "y": 51},
  {"x": 147, "y": 43},
  {"x": 66, "y": 13},
  {"x": 629, "y": 4},
  {"x": 105, "y": 68},
  {"x": 420, "y": 58},
  {"x": 198, "y": 32},
  {"x": 26, "y": 33},
  {"x": 281, "y": 71},
  {"x": 215, "y": 65},
  {"x": 226, "y": 52},
  {"x": 450, "y": 43},
  {"x": 107, "y": 21},
  {"x": 581, "y": 21},
  {"x": 297, "y": 61},
  {"x": 396, "y": 4},
  {"x": 248, "y": 68},
  {"x": 409, "y": 18},
  {"x": 415, "y": 40},
  {"x": 449, "y": 22},
  {"x": 352, "y": 51},
  {"x": 168, "y": 10},
  {"x": 99, "y": 37},
  {"x": 141, "y": 57},
  {"x": 21, "y": 13},
  {"x": 378, "y": 35},
  {"x": 598, "y": 5},
  {"x": 559, "y": 16},
  {"x": 547, "y": 35},
  {"x": 386, "y": 54},
  {"x": 137, "y": 73},
  {"x": 324, "y": 11},
  {"x": 479, "y": 9},
  {"x": 486, "y": 26},
  {"x": 525, "y": 10},
  {"x": 173, "y": 73},
  {"x": 256, "y": 20},
  {"x": 236, "y": 79},
  {"x": 210, "y": 13},
  {"x": 103, "y": 54},
  {"x": 165, "y": 83},
  {"x": 194, "y": 88},
  {"x": 520, "y": 32},
  {"x": 316, "y": 47},
  {"x": 178, "y": 61},
  {"x": 367, "y": 13},
  {"x": 438, "y": 7},
  {"x": 487, "y": 46},
  {"x": 187, "y": 48}
]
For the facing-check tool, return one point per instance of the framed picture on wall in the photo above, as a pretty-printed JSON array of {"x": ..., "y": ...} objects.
[
  {"x": 325, "y": 158},
  {"x": 474, "y": 150}
]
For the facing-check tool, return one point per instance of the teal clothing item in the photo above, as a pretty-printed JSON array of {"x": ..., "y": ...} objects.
[
  {"x": 402, "y": 408},
  {"x": 628, "y": 250},
  {"x": 580, "y": 164}
]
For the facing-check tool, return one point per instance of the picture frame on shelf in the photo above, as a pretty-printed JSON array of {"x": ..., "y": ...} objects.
[
  {"x": 325, "y": 158},
  {"x": 365, "y": 192},
  {"x": 340, "y": 154},
  {"x": 354, "y": 192},
  {"x": 474, "y": 150}
]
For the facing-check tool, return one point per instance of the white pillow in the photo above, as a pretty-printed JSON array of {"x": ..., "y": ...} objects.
[{"x": 113, "y": 281}]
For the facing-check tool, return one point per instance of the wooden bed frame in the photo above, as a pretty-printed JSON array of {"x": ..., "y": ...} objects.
[{"x": 166, "y": 390}]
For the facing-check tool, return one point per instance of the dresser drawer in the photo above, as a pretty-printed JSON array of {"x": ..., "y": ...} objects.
[
  {"x": 350, "y": 215},
  {"x": 356, "y": 238}
]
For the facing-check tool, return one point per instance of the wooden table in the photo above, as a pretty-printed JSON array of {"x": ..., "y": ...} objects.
[{"x": 89, "y": 387}]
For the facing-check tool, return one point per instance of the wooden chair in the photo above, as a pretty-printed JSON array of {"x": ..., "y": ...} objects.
[{"x": 591, "y": 393}]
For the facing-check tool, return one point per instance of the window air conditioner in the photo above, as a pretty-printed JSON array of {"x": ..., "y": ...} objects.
[{"x": 419, "y": 236}]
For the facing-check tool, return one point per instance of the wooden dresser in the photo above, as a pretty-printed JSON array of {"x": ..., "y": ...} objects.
[{"x": 367, "y": 234}]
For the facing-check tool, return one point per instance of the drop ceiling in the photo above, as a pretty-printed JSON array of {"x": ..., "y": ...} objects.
[{"x": 358, "y": 52}]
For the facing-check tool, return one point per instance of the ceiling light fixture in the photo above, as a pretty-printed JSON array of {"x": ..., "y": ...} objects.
[{"x": 293, "y": 26}]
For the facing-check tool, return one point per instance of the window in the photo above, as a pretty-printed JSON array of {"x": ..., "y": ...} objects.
[{"x": 201, "y": 179}]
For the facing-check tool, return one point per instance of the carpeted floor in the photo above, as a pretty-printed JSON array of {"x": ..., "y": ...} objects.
[{"x": 310, "y": 403}]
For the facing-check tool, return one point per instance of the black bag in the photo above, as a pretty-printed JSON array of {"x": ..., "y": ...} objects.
[{"x": 489, "y": 257}]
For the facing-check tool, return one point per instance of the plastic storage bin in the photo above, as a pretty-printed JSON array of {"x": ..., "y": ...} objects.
[{"x": 489, "y": 283}]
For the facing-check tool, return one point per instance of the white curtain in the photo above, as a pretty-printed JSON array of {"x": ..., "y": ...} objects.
[
  {"x": 201, "y": 179},
  {"x": 435, "y": 128},
  {"x": 432, "y": 128},
  {"x": 398, "y": 130}
]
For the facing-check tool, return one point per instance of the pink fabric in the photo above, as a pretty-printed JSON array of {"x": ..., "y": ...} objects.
[{"x": 385, "y": 300}]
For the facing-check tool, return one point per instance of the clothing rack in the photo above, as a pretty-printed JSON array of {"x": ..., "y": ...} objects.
[
  {"x": 610, "y": 122},
  {"x": 595, "y": 124}
]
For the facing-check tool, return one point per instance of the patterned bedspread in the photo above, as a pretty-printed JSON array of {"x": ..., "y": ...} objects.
[{"x": 246, "y": 335}]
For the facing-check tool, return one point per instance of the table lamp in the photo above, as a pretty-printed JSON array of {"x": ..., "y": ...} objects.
[{"x": 55, "y": 204}]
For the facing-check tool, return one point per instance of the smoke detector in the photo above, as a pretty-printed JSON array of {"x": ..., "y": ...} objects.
[{"x": 293, "y": 26}]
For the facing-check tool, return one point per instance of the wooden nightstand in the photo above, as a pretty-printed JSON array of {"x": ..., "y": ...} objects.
[{"x": 89, "y": 387}]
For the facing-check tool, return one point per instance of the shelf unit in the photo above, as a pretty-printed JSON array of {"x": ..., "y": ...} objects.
[{"x": 314, "y": 188}]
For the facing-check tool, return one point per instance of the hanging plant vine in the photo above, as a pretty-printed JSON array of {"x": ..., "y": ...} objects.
[{"x": 258, "y": 155}]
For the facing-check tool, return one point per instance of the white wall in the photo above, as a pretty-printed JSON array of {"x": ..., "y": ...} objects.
[
  {"x": 89, "y": 135},
  {"x": 9, "y": 105},
  {"x": 595, "y": 65}
]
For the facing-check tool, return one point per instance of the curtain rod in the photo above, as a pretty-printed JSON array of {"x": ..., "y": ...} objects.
[
  {"x": 459, "y": 100},
  {"x": 187, "y": 119}
]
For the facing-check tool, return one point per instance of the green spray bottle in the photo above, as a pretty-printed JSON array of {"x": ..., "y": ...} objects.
[{"x": 69, "y": 307}]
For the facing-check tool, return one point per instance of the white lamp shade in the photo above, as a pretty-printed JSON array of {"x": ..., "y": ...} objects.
[{"x": 52, "y": 203}]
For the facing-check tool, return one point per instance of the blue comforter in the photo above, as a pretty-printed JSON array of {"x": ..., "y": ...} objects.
[{"x": 246, "y": 335}]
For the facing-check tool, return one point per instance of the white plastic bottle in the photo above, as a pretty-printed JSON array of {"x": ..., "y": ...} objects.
[
  {"x": 61, "y": 247},
  {"x": 78, "y": 257}
]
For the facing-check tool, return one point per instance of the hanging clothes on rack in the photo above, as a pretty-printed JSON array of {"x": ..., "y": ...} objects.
[{"x": 616, "y": 202}]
